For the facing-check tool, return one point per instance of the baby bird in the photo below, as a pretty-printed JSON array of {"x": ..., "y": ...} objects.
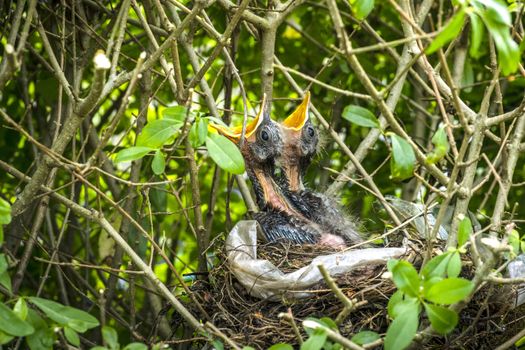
[
  {"x": 279, "y": 220},
  {"x": 300, "y": 145}
]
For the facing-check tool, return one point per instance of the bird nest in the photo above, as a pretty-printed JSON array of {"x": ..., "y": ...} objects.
[{"x": 487, "y": 321}]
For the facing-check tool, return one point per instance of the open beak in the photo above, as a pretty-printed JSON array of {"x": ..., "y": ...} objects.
[
  {"x": 299, "y": 117},
  {"x": 234, "y": 133},
  {"x": 291, "y": 129}
]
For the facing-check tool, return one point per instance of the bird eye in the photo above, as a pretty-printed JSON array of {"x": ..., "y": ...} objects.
[
  {"x": 311, "y": 131},
  {"x": 264, "y": 135}
]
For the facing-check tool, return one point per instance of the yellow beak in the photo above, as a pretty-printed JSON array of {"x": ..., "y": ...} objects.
[
  {"x": 299, "y": 117},
  {"x": 234, "y": 133}
]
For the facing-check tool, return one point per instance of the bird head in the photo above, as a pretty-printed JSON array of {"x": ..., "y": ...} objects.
[
  {"x": 262, "y": 137},
  {"x": 262, "y": 144},
  {"x": 300, "y": 144}
]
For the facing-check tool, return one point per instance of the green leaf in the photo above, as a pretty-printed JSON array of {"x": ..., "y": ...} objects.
[
  {"x": 402, "y": 330},
  {"x": 329, "y": 323},
  {"x": 77, "y": 319},
  {"x": 110, "y": 337},
  {"x": 449, "y": 32},
  {"x": 449, "y": 291},
  {"x": 437, "y": 266},
  {"x": 99, "y": 348},
  {"x": 177, "y": 113},
  {"x": 135, "y": 346},
  {"x": 3, "y": 264},
  {"x": 394, "y": 300},
  {"x": 5, "y": 213},
  {"x": 21, "y": 309},
  {"x": 464, "y": 231},
  {"x": 406, "y": 278},
  {"x": 198, "y": 132},
  {"x": 13, "y": 325},
  {"x": 159, "y": 163},
  {"x": 217, "y": 344},
  {"x": 362, "y": 8},
  {"x": 5, "y": 338},
  {"x": 44, "y": 336},
  {"x": 248, "y": 348},
  {"x": 157, "y": 132},
  {"x": 454, "y": 265},
  {"x": 442, "y": 319},
  {"x": 365, "y": 337},
  {"x": 315, "y": 341},
  {"x": 513, "y": 237},
  {"x": 402, "y": 160},
  {"x": 476, "y": 35},
  {"x": 225, "y": 153},
  {"x": 132, "y": 153},
  {"x": 281, "y": 346},
  {"x": 71, "y": 336},
  {"x": 5, "y": 280},
  {"x": 520, "y": 342},
  {"x": 441, "y": 146},
  {"x": 360, "y": 116},
  {"x": 498, "y": 21}
]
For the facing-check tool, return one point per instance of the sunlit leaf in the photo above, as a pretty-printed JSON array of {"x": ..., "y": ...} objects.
[
  {"x": 21, "y": 308},
  {"x": 71, "y": 336},
  {"x": 513, "y": 239},
  {"x": 394, "y": 300},
  {"x": 437, "y": 266},
  {"x": 177, "y": 113},
  {"x": 402, "y": 330},
  {"x": 449, "y": 32},
  {"x": 449, "y": 291},
  {"x": 406, "y": 278},
  {"x": 442, "y": 319},
  {"x": 5, "y": 338},
  {"x": 315, "y": 341},
  {"x": 132, "y": 153},
  {"x": 159, "y": 163},
  {"x": 360, "y": 116},
  {"x": 476, "y": 35},
  {"x": 365, "y": 337},
  {"x": 77, "y": 319},
  {"x": 217, "y": 344},
  {"x": 5, "y": 213},
  {"x": 361, "y": 8},
  {"x": 44, "y": 336},
  {"x": 281, "y": 346},
  {"x": 13, "y": 325},
  {"x": 403, "y": 159},
  {"x": 225, "y": 153},
  {"x": 157, "y": 132},
  {"x": 110, "y": 337},
  {"x": 135, "y": 346},
  {"x": 198, "y": 132},
  {"x": 454, "y": 265},
  {"x": 498, "y": 21},
  {"x": 441, "y": 146},
  {"x": 464, "y": 231}
]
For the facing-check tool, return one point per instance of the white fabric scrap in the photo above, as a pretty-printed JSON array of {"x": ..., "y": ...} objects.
[{"x": 264, "y": 280}]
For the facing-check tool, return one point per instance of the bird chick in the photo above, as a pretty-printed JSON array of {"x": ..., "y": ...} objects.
[
  {"x": 279, "y": 220},
  {"x": 300, "y": 141}
]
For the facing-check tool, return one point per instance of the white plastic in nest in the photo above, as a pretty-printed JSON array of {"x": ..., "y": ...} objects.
[
  {"x": 516, "y": 269},
  {"x": 262, "y": 279}
]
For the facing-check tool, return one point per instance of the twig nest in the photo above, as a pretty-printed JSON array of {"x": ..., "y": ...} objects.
[{"x": 263, "y": 279}]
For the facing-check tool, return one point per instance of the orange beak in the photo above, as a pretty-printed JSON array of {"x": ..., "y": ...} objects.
[
  {"x": 234, "y": 133},
  {"x": 299, "y": 117}
]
